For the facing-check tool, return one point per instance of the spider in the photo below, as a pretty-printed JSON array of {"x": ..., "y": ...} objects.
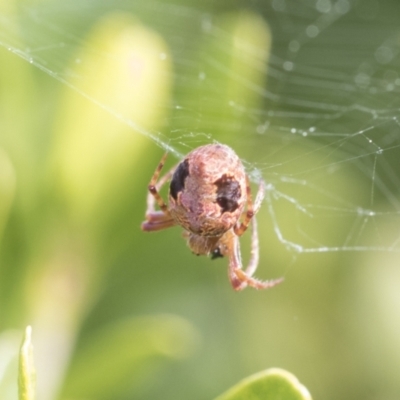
[{"x": 208, "y": 193}]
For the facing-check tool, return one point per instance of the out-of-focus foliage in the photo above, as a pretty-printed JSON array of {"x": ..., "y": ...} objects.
[
  {"x": 102, "y": 370},
  {"x": 274, "y": 384},
  {"x": 26, "y": 371},
  {"x": 121, "y": 314},
  {"x": 7, "y": 189},
  {"x": 10, "y": 341},
  {"x": 117, "y": 358},
  {"x": 65, "y": 228}
]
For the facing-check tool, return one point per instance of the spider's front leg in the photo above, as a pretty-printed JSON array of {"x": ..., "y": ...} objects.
[{"x": 157, "y": 220}]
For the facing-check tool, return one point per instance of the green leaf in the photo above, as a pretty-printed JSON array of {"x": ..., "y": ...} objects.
[
  {"x": 271, "y": 384},
  {"x": 26, "y": 371},
  {"x": 121, "y": 356}
]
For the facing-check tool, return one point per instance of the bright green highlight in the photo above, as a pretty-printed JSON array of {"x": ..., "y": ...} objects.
[
  {"x": 274, "y": 384},
  {"x": 26, "y": 371}
]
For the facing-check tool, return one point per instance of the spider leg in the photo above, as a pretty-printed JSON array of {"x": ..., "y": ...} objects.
[
  {"x": 154, "y": 187},
  {"x": 252, "y": 209},
  {"x": 151, "y": 198},
  {"x": 259, "y": 197},
  {"x": 157, "y": 220},
  {"x": 235, "y": 263},
  {"x": 255, "y": 249},
  {"x": 245, "y": 278},
  {"x": 256, "y": 283}
]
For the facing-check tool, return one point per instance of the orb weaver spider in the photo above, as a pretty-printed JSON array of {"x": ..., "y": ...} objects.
[{"x": 208, "y": 193}]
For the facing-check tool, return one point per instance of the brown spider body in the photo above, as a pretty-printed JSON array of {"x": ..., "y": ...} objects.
[{"x": 209, "y": 191}]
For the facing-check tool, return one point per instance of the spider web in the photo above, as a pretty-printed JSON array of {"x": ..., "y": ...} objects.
[{"x": 323, "y": 127}]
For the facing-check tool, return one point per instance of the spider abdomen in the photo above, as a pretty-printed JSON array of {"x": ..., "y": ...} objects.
[{"x": 208, "y": 190}]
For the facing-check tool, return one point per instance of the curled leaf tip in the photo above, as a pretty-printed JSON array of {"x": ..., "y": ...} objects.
[{"x": 274, "y": 383}]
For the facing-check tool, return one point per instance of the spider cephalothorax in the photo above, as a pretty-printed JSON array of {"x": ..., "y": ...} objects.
[{"x": 209, "y": 191}]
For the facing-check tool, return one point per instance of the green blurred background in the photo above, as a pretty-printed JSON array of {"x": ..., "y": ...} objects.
[{"x": 93, "y": 93}]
